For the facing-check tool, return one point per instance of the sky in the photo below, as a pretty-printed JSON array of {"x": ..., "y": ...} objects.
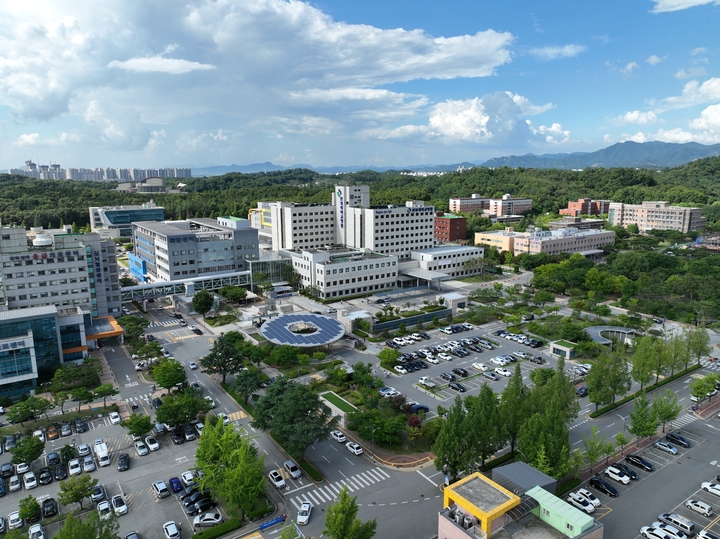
[{"x": 155, "y": 83}]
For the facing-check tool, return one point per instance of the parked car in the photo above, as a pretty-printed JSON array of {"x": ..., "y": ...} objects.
[
  {"x": 119, "y": 505},
  {"x": 175, "y": 484},
  {"x": 115, "y": 418},
  {"x": 104, "y": 510},
  {"x": 45, "y": 476},
  {"x": 447, "y": 376},
  {"x": 490, "y": 376},
  {"x": 400, "y": 369},
  {"x": 504, "y": 372},
  {"x": 700, "y": 507},
  {"x": 460, "y": 372},
  {"x": 171, "y": 530},
  {"x": 640, "y": 462},
  {"x": 292, "y": 469},
  {"x": 98, "y": 493},
  {"x": 603, "y": 486},
  {"x": 457, "y": 387},
  {"x": 277, "y": 480},
  {"x": 712, "y": 488},
  {"x": 152, "y": 443},
  {"x": 74, "y": 467},
  {"x": 627, "y": 470},
  {"x": 192, "y": 365},
  {"x": 60, "y": 472},
  {"x": 589, "y": 496},
  {"x": 123, "y": 464},
  {"x": 161, "y": 489},
  {"x": 207, "y": 520},
  {"x": 188, "y": 478},
  {"x": 617, "y": 474},
  {"x": 141, "y": 449},
  {"x": 677, "y": 439},
  {"x": 49, "y": 507},
  {"x": 662, "y": 445},
  {"x": 53, "y": 433},
  {"x": 88, "y": 464},
  {"x": 580, "y": 502}
]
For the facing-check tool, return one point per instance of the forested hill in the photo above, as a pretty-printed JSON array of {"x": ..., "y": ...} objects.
[{"x": 49, "y": 203}]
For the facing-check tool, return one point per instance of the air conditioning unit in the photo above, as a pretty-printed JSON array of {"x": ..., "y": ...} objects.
[
  {"x": 467, "y": 522},
  {"x": 459, "y": 517}
]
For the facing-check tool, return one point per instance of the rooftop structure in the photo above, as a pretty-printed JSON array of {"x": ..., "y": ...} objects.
[
  {"x": 302, "y": 329},
  {"x": 577, "y": 222},
  {"x": 565, "y": 240},
  {"x": 116, "y": 221}
]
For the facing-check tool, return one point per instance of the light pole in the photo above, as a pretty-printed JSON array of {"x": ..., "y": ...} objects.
[
  {"x": 372, "y": 440},
  {"x": 624, "y": 421}
]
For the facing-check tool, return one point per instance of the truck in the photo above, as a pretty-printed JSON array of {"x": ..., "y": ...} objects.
[
  {"x": 101, "y": 452},
  {"x": 425, "y": 380}
]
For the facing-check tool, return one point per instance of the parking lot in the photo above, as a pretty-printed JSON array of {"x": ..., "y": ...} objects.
[
  {"x": 135, "y": 484},
  {"x": 674, "y": 480}
]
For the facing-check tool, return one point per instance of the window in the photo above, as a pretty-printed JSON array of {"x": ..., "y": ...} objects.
[{"x": 545, "y": 512}]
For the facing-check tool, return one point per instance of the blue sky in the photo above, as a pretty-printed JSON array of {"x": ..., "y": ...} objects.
[{"x": 337, "y": 82}]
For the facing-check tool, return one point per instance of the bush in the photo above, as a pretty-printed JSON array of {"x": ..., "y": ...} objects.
[
  {"x": 502, "y": 459},
  {"x": 567, "y": 486},
  {"x": 220, "y": 530},
  {"x": 360, "y": 333},
  {"x": 310, "y": 470}
]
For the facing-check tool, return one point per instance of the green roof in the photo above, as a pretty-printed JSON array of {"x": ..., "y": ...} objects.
[
  {"x": 560, "y": 507},
  {"x": 565, "y": 344}
]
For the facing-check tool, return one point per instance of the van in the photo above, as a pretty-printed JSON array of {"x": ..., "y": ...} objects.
[{"x": 681, "y": 523}]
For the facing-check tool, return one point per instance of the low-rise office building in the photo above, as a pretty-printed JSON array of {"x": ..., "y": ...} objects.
[
  {"x": 566, "y": 240},
  {"x": 450, "y": 259},
  {"x": 656, "y": 215},
  {"x": 449, "y": 227},
  {"x": 577, "y": 222},
  {"x": 116, "y": 221},
  {"x": 341, "y": 272},
  {"x": 507, "y": 205},
  {"x": 177, "y": 250},
  {"x": 586, "y": 206}
]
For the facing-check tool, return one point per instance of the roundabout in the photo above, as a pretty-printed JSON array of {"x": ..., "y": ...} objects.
[{"x": 302, "y": 329}]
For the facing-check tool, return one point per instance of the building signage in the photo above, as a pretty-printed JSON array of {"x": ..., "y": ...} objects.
[
  {"x": 98, "y": 267},
  {"x": 342, "y": 208},
  {"x": 44, "y": 255},
  {"x": 13, "y": 345}
]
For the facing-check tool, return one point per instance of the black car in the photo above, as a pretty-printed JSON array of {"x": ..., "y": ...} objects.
[
  {"x": 457, "y": 387},
  {"x": 188, "y": 491},
  {"x": 7, "y": 470},
  {"x": 411, "y": 367},
  {"x": 392, "y": 344},
  {"x": 498, "y": 332},
  {"x": 150, "y": 338},
  {"x": 60, "y": 472},
  {"x": 490, "y": 376},
  {"x": 177, "y": 436},
  {"x": 197, "y": 331},
  {"x": 80, "y": 425},
  {"x": 676, "y": 438},
  {"x": 202, "y": 505},
  {"x": 460, "y": 372},
  {"x": 447, "y": 376},
  {"x": 195, "y": 497},
  {"x": 44, "y": 476},
  {"x": 423, "y": 365},
  {"x": 632, "y": 474},
  {"x": 603, "y": 486},
  {"x": 49, "y": 507},
  {"x": 582, "y": 391},
  {"x": 157, "y": 403},
  {"x": 123, "y": 462},
  {"x": 425, "y": 335},
  {"x": 637, "y": 460},
  {"x": 536, "y": 359},
  {"x": 53, "y": 459},
  {"x": 3, "y": 490}
]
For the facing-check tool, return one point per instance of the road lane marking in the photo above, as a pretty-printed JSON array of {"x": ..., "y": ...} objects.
[{"x": 426, "y": 477}]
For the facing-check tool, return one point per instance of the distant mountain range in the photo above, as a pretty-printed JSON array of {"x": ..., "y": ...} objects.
[{"x": 623, "y": 154}]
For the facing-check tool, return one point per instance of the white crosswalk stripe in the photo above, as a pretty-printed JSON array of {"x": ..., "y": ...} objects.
[
  {"x": 164, "y": 323},
  {"x": 683, "y": 420},
  {"x": 331, "y": 491}
]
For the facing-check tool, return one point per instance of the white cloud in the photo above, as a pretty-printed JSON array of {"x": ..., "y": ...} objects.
[
  {"x": 693, "y": 93},
  {"x": 698, "y": 50},
  {"x": 636, "y": 117},
  {"x": 555, "y": 134},
  {"x": 553, "y": 53},
  {"x": 629, "y": 68},
  {"x": 526, "y": 107},
  {"x": 160, "y": 64},
  {"x": 690, "y": 73},
  {"x": 655, "y": 60},
  {"x": 709, "y": 119},
  {"x": 662, "y": 6}
]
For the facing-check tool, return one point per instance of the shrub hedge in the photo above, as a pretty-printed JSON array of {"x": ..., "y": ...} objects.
[{"x": 220, "y": 530}]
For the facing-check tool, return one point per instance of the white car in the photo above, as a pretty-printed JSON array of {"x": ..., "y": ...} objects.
[
  {"x": 29, "y": 481},
  {"x": 653, "y": 533},
  {"x": 171, "y": 530},
  {"x": 580, "y": 502},
  {"x": 669, "y": 531},
  {"x": 152, "y": 443},
  {"x": 211, "y": 401},
  {"x": 617, "y": 474},
  {"x": 14, "y": 520},
  {"x": 192, "y": 365},
  {"x": 188, "y": 478},
  {"x": 589, "y": 496},
  {"x": 115, "y": 418},
  {"x": 701, "y": 507},
  {"x": 277, "y": 480},
  {"x": 499, "y": 361},
  {"x": 141, "y": 448},
  {"x": 446, "y": 357},
  {"x": 74, "y": 467},
  {"x": 338, "y": 436},
  {"x": 503, "y": 372},
  {"x": 400, "y": 369},
  {"x": 207, "y": 520},
  {"x": 712, "y": 488},
  {"x": 432, "y": 359},
  {"x": 480, "y": 366},
  {"x": 40, "y": 435},
  {"x": 224, "y": 417},
  {"x": 36, "y": 532},
  {"x": 22, "y": 468},
  {"x": 354, "y": 448},
  {"x": 88, "y": 464},
  {"x": 399, "y": 341},
  {"x": 416, "y": 337},
  {"x": 304, "y": 513},
  {"x": 104, "y": 510},
  {"x": 119, "y": 505}
]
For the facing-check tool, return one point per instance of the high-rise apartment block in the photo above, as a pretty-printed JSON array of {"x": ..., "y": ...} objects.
[
  {"x": 101, "y": 174},
  {"x": 656, "y": 215}
]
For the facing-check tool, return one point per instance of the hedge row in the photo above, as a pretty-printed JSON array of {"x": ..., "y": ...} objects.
[
  {"x": 502, "y": 459},
  {"x": 220, "y": 530},
  {"x": 631, "y": 397}
]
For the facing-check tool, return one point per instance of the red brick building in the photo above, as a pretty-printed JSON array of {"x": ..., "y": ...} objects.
[
  {"x": 586, "y": 206},
  {"x": 449, "y": 227}
]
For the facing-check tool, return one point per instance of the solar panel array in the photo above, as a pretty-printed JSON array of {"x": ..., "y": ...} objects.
[{"x": 278, "y": 331}]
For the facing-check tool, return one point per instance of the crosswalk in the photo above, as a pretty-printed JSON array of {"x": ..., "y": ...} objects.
[
  {"x": 683, "y": 420},
  {"x": 331, "y": 491},
  {"x": 710, "y": 365},
  {"x": 164, "y": 323}
]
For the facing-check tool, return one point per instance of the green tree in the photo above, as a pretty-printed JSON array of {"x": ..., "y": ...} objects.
[
  {"x": 168, "y": 373},
  {"x": 678, "y": 353},
  {"x": 105, "y": 391},
  {"x": 91, "y": 527},
  {"x": 29, "y": 507},
  {"x": 82, "y": 395},
  {"x": 643, "y": 362},
  {"x": 75, "y": 489},
  {"x": 594, "y": 447},
  {"x": 246, "y": 383},
  {"x": 453, "y": 454},
  {"x": 127, "y": 281},
  {"x": 67, "y": 452},
  {"x": 514, "y": 407},
  {"x": 181, "y": 408},
  {"x": 541, "y": 376},
  {"x": 236, "y": 294},
  {"x": 231, "y": 466},
  {"x": 133, "y": 326},
  {"x": 643, "y": 422},
  {"x": 341, "y": 520},
  {"x": 666, "y": 407},
  {"x": 137, "y": 424},
  {"x": 294, "y": 415},
  {"x": 559, "y": 393},
  {"x": 202, "y": 302},
  {"x": 546, "y": 432},
  {"x": 621, "y": 441},
  {"x": 60, "y": 398},
  {"x": 598, "y": 382},
  {"x": 226, "y": 355},
  {"x": 19, "y": 413},
  {"x": 388, "y": 357},
  {"x": 698, "y": 343},
  {"x": 701, "y": 387},
  {"x": 485, "y": 421},
  {"x": 27, "y": 450},
  {"x": 39, "y": 406}
]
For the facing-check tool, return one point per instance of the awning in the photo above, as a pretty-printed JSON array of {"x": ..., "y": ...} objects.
[{"x": 425, "y": 275}]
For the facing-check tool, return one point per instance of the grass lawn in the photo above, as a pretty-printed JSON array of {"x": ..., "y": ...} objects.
[{"x": 339, "y": 402}]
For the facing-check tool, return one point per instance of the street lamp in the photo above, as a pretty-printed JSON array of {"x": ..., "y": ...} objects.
[
  {"x": 372, "y": 439},
  {"x": 624, "y": 421}
]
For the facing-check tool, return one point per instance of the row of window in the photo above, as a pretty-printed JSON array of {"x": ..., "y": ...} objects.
[
  {"x": 41, "y": 261},
  {"x": 342, "y": 282},
  {"x": 57, "y": 282},
  {"x": 352, "y": 291},
  {"x": 25, "y": 297}
]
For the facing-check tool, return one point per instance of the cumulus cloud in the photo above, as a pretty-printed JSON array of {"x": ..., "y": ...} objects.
[
  {"x": 693, "y": 93},
  {"x": 554, "y": 134},
  {"x": 709, "y": 120},
  {"x": 629, "y": 67},
  {"x": 690, "y": 73},
  {"x": 160, "y": 64},
  {"x": 636, "y": 117},
  {"x": 526, "y": 107},
  {"x": 698, "y": 50},
  {"x": 662, "y": 6},
  {"x": 555, "y": 52},
  {"x": 654, "y": 60}
]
